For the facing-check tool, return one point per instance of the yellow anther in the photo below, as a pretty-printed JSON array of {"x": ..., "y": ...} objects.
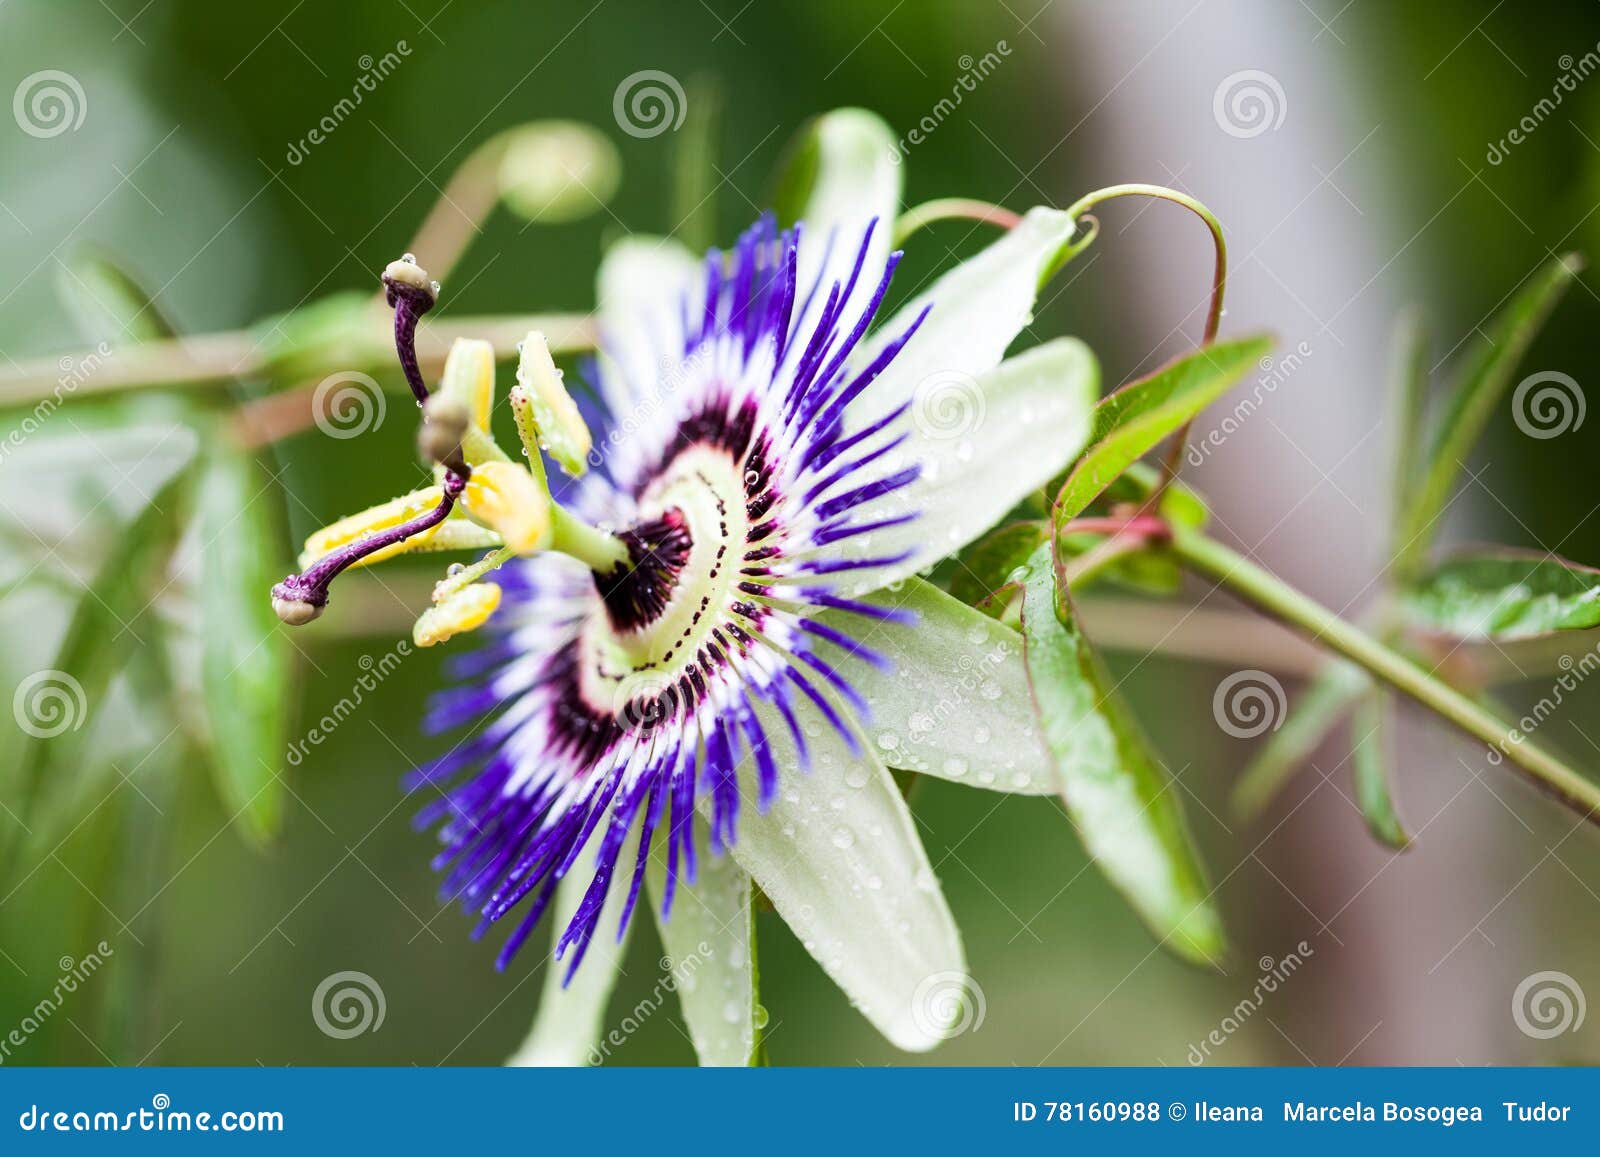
[
  {"x": 547, "y": 417},
  {"x": 504, "y": 497},
  {"x": 465, "y": 610},
  {"x": 469, "y": 376},
  {"x": 371, "y": 521}
]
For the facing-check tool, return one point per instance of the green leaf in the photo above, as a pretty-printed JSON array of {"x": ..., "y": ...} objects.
[
  {"x": 108, "y": 623},
  {"x": 1130, "y": 422},
  {"x": 1408, "y": 382},
  {"x": 988, "y": 564},
  {"x": 1311, "y": 718},
  {"x": 1503, "y": 594},
  {"x": 1473, "y": 396},
  {"x": 1121, "y": 801},
  {"x": 1370, "y": 727},
  {"x": 245, "y": 652},
  {"x": 110, "y": 305}
]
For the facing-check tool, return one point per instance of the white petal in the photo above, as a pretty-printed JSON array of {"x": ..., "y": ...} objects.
[
  {"x": 979, "y": 307},
  {"x": 710, "y": 955},
  {"x": 642, "y": 284},
  {"x": 956, "y": 704},
  {"x": 856, "y": 180},
  {"x": 571, "y": 1021},
  {"x": 983, "y": 446},
  {"x": 838, "y": 856}
]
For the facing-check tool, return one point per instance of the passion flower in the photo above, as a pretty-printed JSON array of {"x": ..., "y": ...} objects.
[{"x": 712, "y": 634}]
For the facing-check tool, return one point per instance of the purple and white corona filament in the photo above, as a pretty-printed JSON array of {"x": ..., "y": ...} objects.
[{"x": 624, "y": 699}]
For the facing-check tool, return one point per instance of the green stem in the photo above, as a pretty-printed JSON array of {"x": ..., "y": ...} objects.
[
  {"x": 466, "y": 202},
  {"x": 468, "y": 575},
  {"x": 1118, "y": 545},
  {"x": 1219, "y": 281},
  {"x": 222, "y": 358},
  {"x": 952, "y": 208},
  {"x": 1219, "y": 276},
  {"x": 1250, "y": 582}
]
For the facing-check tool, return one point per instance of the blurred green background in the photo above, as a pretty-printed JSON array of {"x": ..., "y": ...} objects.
[{"x": 1374, "y": 191}]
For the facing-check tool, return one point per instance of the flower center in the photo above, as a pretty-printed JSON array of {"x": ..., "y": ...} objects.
[{"x": 669, "y": 615}]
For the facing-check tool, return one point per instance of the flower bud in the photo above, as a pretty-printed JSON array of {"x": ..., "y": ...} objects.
[{"x": 558, "y": 171}]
